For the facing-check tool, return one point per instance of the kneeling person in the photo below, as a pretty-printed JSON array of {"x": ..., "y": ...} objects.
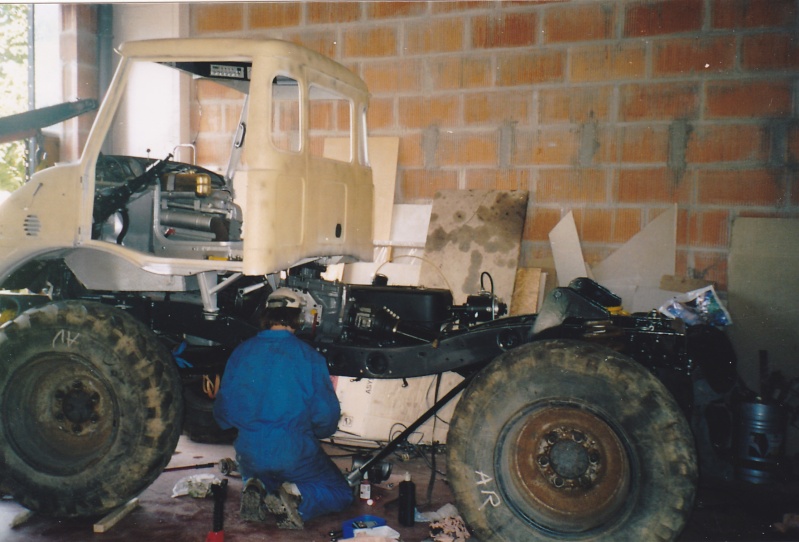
[{"x": 276, "y": 391}]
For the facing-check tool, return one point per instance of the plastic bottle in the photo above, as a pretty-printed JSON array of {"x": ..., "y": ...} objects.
[
  {"x": 407, "y": 502},
  {"x": 365, "y": 489}
]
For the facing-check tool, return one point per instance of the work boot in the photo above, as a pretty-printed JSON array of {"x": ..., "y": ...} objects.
[
  {"x": 252, "y": 501},
  {"x": 281, "y": 504}
]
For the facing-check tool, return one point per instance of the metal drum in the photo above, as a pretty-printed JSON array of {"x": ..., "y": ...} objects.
[{"x": 760, "y": 442}]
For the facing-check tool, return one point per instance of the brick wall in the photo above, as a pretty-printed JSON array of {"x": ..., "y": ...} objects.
[{"x": 614, "y": 109}]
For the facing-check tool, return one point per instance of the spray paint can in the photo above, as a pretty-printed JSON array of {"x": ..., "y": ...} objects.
[{"x": 407, "y": 501}]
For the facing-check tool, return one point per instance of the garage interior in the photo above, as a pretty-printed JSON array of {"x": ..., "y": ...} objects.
[{"x": 651, "y": 143}]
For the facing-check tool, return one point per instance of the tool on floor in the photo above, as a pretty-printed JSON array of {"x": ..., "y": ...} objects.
[
  {"x": 226, "y": 466},
  {"x": 219, "y": 492}
]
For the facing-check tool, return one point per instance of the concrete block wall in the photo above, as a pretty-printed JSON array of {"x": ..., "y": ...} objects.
[{"x": 615, "y": 109}]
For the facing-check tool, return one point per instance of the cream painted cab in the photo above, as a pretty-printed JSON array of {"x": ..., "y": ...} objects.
[{"x": 139, "y": 212}]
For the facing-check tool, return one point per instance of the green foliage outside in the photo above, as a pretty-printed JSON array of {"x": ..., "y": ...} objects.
[{"x": 13, "y": 88}]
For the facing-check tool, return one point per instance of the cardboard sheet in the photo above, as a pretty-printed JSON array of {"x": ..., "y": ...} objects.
[
  {"x": 634, "y": 271},
  {"x": 376, "y": 410},
  {"x": 566, "y": 250}
]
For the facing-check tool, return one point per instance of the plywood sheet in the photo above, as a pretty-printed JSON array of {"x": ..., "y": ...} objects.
[
  {"x": 383, "y": 153},
  {"x": 471, "y": 232}
]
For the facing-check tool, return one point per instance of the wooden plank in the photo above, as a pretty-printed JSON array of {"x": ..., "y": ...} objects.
[
  {"x": 116, "y": 516},
  {"x": 526, "y": 291},
  {"x": 21, "y": 518}
]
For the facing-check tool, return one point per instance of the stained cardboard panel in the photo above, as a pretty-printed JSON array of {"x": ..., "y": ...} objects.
[
  {"x": 471, "y": 232},
  {"x": 383, "y": 153},
  {"x": 764, "y": 295}
]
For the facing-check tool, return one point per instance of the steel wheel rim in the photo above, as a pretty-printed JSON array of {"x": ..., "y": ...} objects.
[
  {"x": 59, "y": 413},
  {"x": 565, "y": 466}
]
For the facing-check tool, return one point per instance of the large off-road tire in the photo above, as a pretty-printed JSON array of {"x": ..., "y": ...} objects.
[
  {"x": 90, "y": 408},
  {"x": 199, "y": 424},
  {"x": 563, "y": 440}
]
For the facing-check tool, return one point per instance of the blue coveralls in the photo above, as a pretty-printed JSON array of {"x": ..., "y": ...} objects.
[{"x": 276, "y": 391}]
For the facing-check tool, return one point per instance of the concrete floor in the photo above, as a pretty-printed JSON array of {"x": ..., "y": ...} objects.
[{"x": 734, "y": 511}]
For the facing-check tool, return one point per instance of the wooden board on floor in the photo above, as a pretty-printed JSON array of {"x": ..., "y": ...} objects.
[{"x": 116, "y": 516}]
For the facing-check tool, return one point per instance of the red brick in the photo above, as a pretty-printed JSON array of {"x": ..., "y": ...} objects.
[
  {"x": 410, "y": 153},
  {"x": 593, "y": 225},
  {"x": 659, "y": 101},
  {"x": 727, "y": 143},
  {"x": 609, "y": 138},
  {"x": 709, "y": 228},
  {"x": 648, "y": 18},
  {"x": 468, "y": 149},
  {"x": 771, "y": 98},
  {"x": 434, "y": 36},
  {"x": 770, "y": 52},
  {"x": 530, "y": 68},
  {"x": 793, "y": 145},
  {"x": 422, "y": 184},
  {"x": 654, "y": 185},
  {"x": 393, "y": 77},
  {"x": 554, "y": 145},
  {"x": 694, "y": 55},
  {"x": 370, "y": 42},
  {"x": 579, "y": 23},
  {"x": 383, "y": 10},
  {"x": 450, "y": 73},
  {"x": 217, "y": 17},
  {"x": 321, "y": 41},
  {"x": 626, "y": 223},
  {"x": 497, "y": 107},
  {"x": 538, "y": 226},
  {"x": 711, "y": 266},
  {"x": 740, "y": 187},
  {"x": 458, "y": 6},
  {"x": 642, "y": 144},
  {"x": 497, "y": 179},
  {"x": 607, "y": 62},
  {"x": 332, "y": 12},
  {"x": 505, "y": 30},
  {"x": 574, "y": 104},
  {"x": 573, "y": 185},
  {"x": 420, "y": 112},
  {"x": 381, "y": 113},
  {"x": 752, "y": 13},
  {"x": 273, "y": 14}
]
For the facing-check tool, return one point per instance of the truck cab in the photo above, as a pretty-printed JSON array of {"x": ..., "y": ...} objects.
[{"x": 154, "y": 207}]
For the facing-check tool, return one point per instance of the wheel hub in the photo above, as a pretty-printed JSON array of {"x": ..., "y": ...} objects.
[
  {"x": 64, "y": 416},
  {"x": 570, "y": 467},
  {"x": 569, "y": 459},
  {"x": 76, "y": 407}
]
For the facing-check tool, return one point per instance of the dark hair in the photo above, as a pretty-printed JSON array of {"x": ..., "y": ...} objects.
[{"x": 281, "y": 316}]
